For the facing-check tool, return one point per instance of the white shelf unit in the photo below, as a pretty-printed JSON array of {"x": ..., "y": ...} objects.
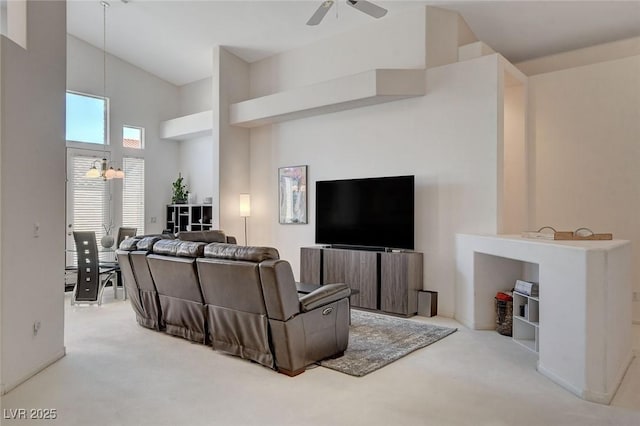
[
  {"x": 188, "y": 126},
  {"x": 586, "y": 351},
  {"x": 526, "y": 321},
  {"x": 353, "y": 91},
  {"x": 189, "y": 217}
]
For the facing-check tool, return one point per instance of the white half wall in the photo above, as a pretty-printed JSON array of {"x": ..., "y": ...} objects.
[
  {"x": 139, "y": 99},
  {"x": 32, "y": 146},
  {"x": 584, "y": 129}
]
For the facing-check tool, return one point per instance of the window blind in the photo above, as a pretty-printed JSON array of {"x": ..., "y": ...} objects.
[
  {"x": 90, "y": 198},
  {"x": 133, "y": 193}
]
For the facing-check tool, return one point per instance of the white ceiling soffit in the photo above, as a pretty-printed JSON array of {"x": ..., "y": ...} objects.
[{"x": 173, "y": 39}]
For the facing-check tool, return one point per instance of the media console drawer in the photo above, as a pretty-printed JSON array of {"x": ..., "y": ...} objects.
[{"x": 386, "y": 281}]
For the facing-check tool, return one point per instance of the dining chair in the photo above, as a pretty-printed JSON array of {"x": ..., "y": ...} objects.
[
  {"x": 91, "y": 277},
  {"x": 124, "y": 233}
]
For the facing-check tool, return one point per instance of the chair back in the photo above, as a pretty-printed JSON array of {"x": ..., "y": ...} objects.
[
  {"x": 124, "y": 233},
  {"x": 88, "y": 283}
]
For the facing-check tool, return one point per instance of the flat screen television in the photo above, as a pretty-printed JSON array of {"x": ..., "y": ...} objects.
[{"x": 368, "y": 213}]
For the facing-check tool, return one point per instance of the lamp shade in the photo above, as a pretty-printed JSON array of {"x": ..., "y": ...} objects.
[
  {"x": 110, "y": 174},
  {"x": 245, "y": 205},
  {"x": 93, "y": 172}
]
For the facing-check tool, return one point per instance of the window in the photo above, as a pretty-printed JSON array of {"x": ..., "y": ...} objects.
[
  {"x": 133, "y": 193},
  {"x": 133, "y": 137},
  {"x": 86, "y": 118},
  {"x": 87, "y": 200}
]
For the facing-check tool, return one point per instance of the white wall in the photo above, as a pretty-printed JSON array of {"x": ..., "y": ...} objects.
[
  {"x": 32, "y": 149},
  {"x": 197, "y": 168},
  {"x": 513, "y": 213},
  {"x": 448, "y": 139},
  {"x": 140, "y": 99},
  {"x": 231, "y": 144},
  {"x": 584, "y": 128},
  {"x": 196, "y": 155},
  {"x": 13, "y": 21},
  {"x": 2, "y": 390},
  {"x": 397, "y": 41},
  {"x": 195, "y": 97}
]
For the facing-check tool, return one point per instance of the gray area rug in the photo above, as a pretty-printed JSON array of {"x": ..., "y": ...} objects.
[{"x": 376, "y": 340}]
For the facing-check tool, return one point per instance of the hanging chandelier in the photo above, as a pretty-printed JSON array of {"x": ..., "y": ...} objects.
[{"x": 105, "y": 171}]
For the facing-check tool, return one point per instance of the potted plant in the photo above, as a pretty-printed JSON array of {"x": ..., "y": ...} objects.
[{"x": 179, "y": 191}]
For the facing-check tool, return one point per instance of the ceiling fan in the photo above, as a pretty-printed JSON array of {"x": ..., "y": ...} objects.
[{"x": 362, "y": 5}]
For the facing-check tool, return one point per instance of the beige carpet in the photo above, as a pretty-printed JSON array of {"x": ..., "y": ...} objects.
[{"x": 117, "y": 373}]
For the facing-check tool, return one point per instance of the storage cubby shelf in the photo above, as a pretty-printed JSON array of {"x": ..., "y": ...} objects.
[
  {"x": 189, "y": 217},
  {"x": 358, "y": 90},
  {"x": 526, "y": 328}
]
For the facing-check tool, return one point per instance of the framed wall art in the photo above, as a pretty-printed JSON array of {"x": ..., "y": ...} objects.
[{"x": 292, "y": 183}]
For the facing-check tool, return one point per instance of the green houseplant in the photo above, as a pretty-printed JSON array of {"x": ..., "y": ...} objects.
[{"x": 179, "y": 191}]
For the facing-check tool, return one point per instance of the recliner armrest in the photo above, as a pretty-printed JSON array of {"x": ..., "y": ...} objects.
[{"x": 326, "y": 294}]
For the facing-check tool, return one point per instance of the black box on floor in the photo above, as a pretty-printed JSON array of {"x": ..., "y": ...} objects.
[{"x": 427, "y": 303}]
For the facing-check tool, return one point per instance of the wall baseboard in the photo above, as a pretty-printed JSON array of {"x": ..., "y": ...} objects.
[{"x": 6, "y": 388}]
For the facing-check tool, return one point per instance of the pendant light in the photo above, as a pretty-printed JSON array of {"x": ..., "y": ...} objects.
[{"x": 105, "y": 172}]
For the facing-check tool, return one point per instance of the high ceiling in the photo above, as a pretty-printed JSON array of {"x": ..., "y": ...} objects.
[{"x": 173, "y": 39}]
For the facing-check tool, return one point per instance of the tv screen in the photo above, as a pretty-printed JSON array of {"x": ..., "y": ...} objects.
[{"x": 373, "y": 212}]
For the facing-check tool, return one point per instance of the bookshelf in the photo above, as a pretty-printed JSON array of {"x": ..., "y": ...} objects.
[{"x": 189, "y": 217}]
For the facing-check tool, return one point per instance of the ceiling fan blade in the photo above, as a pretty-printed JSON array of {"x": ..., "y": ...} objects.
[
  {"x": 319, "y": 14},
  {"x": 368, "y": 8}
]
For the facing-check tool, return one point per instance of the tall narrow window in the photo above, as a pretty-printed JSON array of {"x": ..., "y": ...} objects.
[
  {"x": 133, "y": 137},
  {"x": 87, "y": 201},
  {"x": 90, "y": 199},
  {"x": 133, "y": 193},
  {"x": 86, "y": 118}
]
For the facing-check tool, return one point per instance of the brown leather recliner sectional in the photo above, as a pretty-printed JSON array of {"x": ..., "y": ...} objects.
[
  {"x": 132, "y": 257},
  {"x": 240, "y": 300}
]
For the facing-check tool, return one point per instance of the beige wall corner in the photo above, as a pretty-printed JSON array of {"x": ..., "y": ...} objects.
[
  {"x": 16, "y": 22},
  {"x": 513, "y": 206},
  {"x": 474, "y": 50},
  {"x": 587, "y": 56},
  {"x": 231, "y": 144},
  {"x": 445, "y": 31},
  {"x": 465, "y": 35},
  {"x": 584, "y": 129},
  {"x": 32, "y": 86},
  {"x": 1, "y": 232}
]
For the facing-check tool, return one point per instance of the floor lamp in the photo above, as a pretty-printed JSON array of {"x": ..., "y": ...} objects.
[{"x": 245, "y": 212}]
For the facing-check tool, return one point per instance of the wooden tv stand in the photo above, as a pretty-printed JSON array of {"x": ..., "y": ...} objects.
[{"x": 386, "y": 281}]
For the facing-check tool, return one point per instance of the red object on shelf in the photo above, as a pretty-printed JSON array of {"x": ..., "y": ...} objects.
[{"x": 503, "y": 296}]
